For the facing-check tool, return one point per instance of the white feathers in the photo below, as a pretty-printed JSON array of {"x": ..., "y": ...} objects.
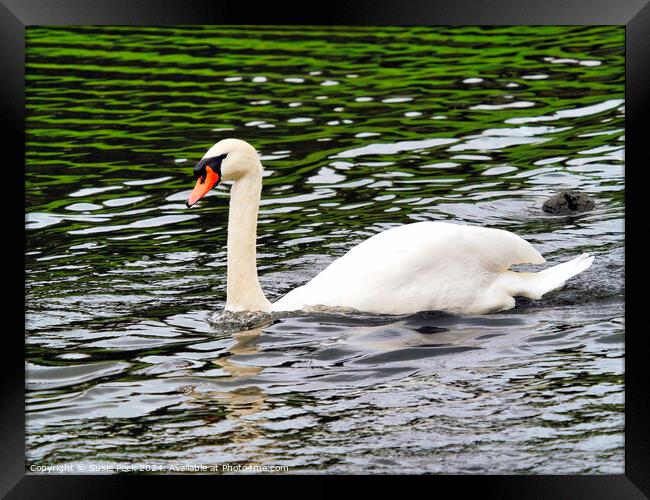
[
  {"x": 427, "y": 266},
  {"x": 535, "y": 285}
]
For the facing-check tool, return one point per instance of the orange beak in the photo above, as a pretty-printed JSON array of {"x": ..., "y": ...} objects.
[{"x": 203, "y": 185}]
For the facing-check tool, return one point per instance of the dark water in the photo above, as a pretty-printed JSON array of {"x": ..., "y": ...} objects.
[{"x": 359, "y": 129}]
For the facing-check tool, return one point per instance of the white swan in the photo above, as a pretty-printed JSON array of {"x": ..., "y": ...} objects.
[{"x": 421, "y": 266}]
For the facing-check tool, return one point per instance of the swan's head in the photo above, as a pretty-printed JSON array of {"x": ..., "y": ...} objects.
[{"x": 227, "y": 160}]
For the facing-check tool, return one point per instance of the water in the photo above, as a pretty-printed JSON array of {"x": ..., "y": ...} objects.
[{"x": 359, "y": 129}]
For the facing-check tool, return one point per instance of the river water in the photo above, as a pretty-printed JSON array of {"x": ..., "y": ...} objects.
[{"x": 359, "y": 129}]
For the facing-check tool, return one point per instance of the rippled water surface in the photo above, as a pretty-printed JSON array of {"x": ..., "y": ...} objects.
[{"x": 359, "y": 129}]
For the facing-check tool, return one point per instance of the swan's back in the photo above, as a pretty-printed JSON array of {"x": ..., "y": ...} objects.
[{"x": 416, "y": 267}]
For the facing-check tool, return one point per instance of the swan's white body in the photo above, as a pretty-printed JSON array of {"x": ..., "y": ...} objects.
[
  {"x": 415, "y": 267},
  {"x": 428, "y": 266}
]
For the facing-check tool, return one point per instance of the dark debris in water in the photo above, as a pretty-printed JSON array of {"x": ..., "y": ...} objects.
[{"x": 568, "y": 202}]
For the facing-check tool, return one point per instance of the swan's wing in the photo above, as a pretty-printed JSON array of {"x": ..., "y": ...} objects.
[
  {"x": 422, "y": 242},
  {"x": 498, "y": 249},
  {"x": 402, "y": 263}
]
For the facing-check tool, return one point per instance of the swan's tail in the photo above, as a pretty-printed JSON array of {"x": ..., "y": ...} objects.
[{"x": 534, "y": 285}]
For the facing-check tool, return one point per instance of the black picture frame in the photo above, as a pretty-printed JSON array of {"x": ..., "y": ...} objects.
[{"x": 15, "y": 15}]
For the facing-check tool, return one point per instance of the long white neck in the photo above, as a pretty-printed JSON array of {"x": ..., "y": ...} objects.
[{"x": 244, "y": 292}]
